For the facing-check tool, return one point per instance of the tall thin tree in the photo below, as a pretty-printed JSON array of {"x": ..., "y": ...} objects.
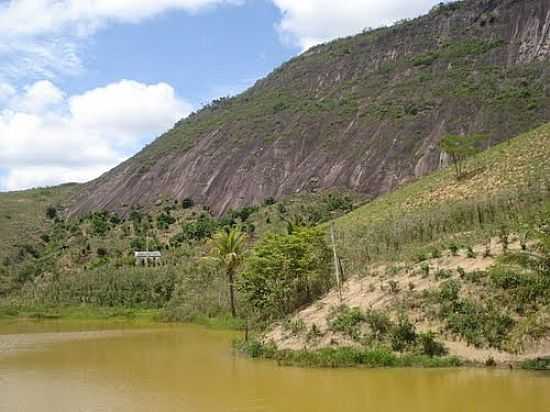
[{"x": 227, "y": 249}]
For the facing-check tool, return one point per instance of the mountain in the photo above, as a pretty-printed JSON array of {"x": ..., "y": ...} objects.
[{"x": 364, "y": 113}]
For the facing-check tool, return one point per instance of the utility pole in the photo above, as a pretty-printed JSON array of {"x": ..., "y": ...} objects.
[{"x": 336, "y": 262}]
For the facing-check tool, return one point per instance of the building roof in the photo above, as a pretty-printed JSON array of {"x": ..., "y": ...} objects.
[{"x": 154, "y": 254}]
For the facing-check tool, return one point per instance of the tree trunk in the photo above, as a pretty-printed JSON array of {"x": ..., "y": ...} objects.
[{"x": 231, "y": 293}]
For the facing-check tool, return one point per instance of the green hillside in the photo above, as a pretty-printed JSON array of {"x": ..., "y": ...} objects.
[
  {"x": 23, "y": 215},
  {"x": 510, "y": 181}
]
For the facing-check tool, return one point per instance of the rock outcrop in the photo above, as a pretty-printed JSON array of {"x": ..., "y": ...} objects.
[{"x": 364, "y": 113}]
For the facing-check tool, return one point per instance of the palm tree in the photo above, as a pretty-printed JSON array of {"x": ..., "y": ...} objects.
[{"x": 226, "y": 248}]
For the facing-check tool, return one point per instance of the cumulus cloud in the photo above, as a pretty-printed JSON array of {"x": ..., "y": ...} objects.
[
  {"x": 41, "y": 38},
  {"x": 45, "y": 16},
  {"x": 48, "y": 138},
  {"x": 306, "y": 23}
]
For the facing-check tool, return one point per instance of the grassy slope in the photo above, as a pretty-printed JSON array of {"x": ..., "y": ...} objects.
[
  {"x": 510, "y": 165},
  {"x": 515, "y": 165},
  {"x": 23, "y": 214},
  {"x": 500, "y": 171}
]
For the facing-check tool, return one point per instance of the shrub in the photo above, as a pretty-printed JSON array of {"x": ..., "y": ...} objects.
[
  {"x": 164, "y": 220},
  {"x": 285, "y": 272},
  {"x": 403, "y": 335},
  {"x": 453, "y": 248},
  {"x": 346, "y": 320},
  {"x": 430, "y": 346},
  {"x": 379, "y": 323},
  {"x": 187, "y": 203},
  {"x": 51, "y": 212},
  {"x": 101, "y": 252},
  {"x": 478, "y": 325},
  {"x": 449, "y": 291}
]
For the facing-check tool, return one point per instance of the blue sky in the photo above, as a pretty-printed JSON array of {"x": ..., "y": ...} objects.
[{"x": 86, "y": 83}]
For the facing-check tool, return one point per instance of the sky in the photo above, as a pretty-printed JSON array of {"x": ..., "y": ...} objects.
[{"x": 84, "y": 84}]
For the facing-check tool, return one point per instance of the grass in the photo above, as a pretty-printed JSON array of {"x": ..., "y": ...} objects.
[
  {"x": 507, "y": 183},
  {"x": 536, "y": 364},
  {"x": 72, "y": 312},
  {"x": 219, "y": 322},
  {"x": 23, "y": 214},
  {"x": 343, "y": 357}
]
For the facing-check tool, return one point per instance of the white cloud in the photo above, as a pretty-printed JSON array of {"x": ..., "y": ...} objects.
[
  {"x": 47, "y": 138},
  {"x": 41, "y": 38},
  {"x": 31, "y": 17},
  {"x": 310, "y": 22}
]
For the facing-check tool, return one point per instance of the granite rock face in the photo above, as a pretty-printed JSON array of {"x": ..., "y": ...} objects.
[{"x": 364, "y": 113}]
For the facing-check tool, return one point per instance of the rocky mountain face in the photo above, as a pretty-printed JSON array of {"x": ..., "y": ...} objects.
[{"x": 364, "y": 113}]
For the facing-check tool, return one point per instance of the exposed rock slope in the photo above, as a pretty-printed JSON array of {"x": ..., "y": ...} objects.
[{"x": 364, "y": 113}]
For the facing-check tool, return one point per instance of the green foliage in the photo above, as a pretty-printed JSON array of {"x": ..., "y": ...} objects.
[
  {"x": 285, "y": 272},
  {"x": 51, "y": 212},
  {"x": 460, "y": 148},
  {"x": 201, "y": 293},
  {"x": 480, "y": 325},
  {"x": 346, "y": 320},
  {"x": 343, "y": 357},
  {"x": 449, "y": 291},
  {"x": 202, "y": 228},
  {"x": 403, "y": 334},
  {"x": 430, "y": 346},
  {"x": 187, "y": 203},
  {"x": 164, "y": 220},
  {"x": 243, "y": 214},
  {"x": 125, "y": 287},
  {"x": 536, "y": 364},
  {"x": 379, "y": 323},
  {"x": 226, "y": 250},
  {"x": 100, "y": 223}
]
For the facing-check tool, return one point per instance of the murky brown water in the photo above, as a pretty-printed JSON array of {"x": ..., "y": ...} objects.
[{"x": 62, "y": 367}]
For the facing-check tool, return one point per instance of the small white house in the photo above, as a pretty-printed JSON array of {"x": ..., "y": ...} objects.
[{"x": 148, "y": 258}]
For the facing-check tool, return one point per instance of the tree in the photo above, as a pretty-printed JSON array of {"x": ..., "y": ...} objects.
[
  {"x": 285, "y": 272},
  {"x": 460, "y": 148},
  {"x": 51, "y": 212},
  {"x": 227, "y": 249},
  {"x": 187, "y": 203}
]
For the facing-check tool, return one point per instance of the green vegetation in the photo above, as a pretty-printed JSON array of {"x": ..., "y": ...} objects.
[
  {"x": 284, "y": 272},
  {"x": 460, "y": 148},
  {"x": 508, "y": 191},
  {"x": 343, "y": 357},
  {"x": 226, "y": 250},
  {"x": 82, "y": 312}
]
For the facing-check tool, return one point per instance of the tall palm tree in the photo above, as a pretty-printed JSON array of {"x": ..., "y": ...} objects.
[{"x": 227, "y": 248}]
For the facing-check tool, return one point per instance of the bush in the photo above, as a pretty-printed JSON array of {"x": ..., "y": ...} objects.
[
  {"x": 285, "y": 272},
  {"x": 346, "y": 320},
  {"x": 187, "y": 203},
  {"x": 164, "y": 220},
  {"x": 430, "y": 347},
  {"x": 379, "y": 323},
  {"x": 403, "y": 335},
  {"x": 51, "y": 212},
  {"x": 449, "y": 291},
  {"x": 478, "y": 325}
]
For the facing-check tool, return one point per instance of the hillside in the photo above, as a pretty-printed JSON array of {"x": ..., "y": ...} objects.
[
  {"x": 23, "y": 215},
  {"x": 453, "y": 255},
  {"x": 363, "y": 113}
]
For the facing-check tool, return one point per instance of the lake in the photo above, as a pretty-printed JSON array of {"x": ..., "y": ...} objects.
[{"x": 91, "y": 366}]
